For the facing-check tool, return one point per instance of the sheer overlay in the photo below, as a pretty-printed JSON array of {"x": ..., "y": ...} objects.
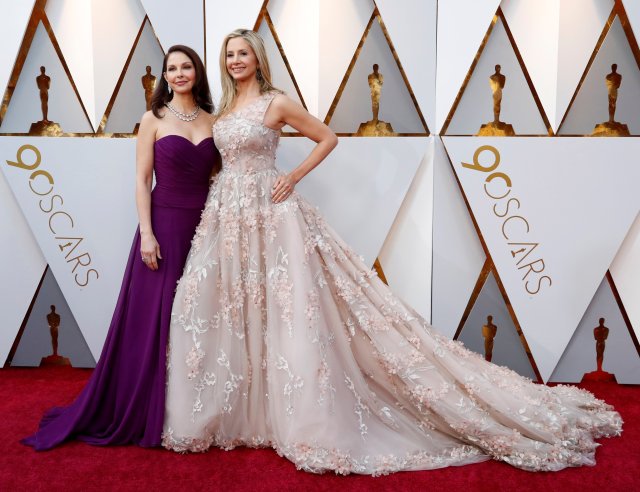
[{"x": 281, "y": 336}]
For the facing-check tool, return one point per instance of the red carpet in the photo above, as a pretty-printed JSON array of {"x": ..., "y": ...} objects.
[{"x": 26, "y": 393}]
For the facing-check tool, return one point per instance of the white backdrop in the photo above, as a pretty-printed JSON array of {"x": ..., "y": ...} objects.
[{"x": 404, "y": 200}]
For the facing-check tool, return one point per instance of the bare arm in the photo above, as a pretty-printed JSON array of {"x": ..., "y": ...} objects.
[
  {"x": 149, "y": 247},
  {"x": 285, "y": 111}
]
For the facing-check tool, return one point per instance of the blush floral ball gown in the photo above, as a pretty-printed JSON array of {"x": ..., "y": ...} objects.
[{"x": 282, "y": 337}]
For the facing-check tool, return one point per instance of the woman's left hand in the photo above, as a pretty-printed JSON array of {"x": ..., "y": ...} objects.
[{"x": 282, "y": 188}]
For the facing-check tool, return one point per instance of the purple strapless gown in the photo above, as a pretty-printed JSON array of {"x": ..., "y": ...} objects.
[{"x": 123, "y": 401}]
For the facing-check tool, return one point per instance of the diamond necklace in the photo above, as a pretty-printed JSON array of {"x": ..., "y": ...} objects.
[{"x": 184, "y": 116}]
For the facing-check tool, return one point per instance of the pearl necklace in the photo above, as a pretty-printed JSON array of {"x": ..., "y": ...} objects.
[{"x": 184, "y": 116}]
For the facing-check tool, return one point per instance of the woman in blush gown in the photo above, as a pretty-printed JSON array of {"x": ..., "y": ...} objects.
[
  {"x": 123, "y": 401},
  {"x": 281, "y": 336}
]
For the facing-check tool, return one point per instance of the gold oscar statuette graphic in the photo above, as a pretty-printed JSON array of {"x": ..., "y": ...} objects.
[
  {"x": 489, "y": 333},
  {"x": 496, "y": 128},
  {"x": 612, "y": 128},
  {"x": 600, "y": 333},
  {"x": 44, "y": 127},
  {"x": 53, "y": 319},
  {"x": 375, "y": 127},
  {"x": 148, "y": 84}
]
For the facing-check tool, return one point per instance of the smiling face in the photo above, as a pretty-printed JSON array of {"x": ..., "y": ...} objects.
[
  {"x": 242, "y": 63},
  {"x": 180, "y": 73}
]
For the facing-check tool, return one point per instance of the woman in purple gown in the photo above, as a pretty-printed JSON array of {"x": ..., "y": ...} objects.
[{"x": 123, "y": 402}]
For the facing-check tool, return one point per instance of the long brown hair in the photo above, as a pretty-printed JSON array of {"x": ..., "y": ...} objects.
[
  {"x": 263, "y": 75},
  {"x": 201, "y": 92}
]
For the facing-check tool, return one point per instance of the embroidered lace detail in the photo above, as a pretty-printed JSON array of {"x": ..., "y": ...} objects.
[{"x": 281, "y": 336}]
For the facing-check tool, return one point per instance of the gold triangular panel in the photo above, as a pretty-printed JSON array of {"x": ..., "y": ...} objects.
[
  {"x": 44, "y": 95},
  {"x": 603, "y": 91},
  {"x": 128, "y": 102},
  {"x": 497, "y": 97},
  {"x": 508, "y": 349},
  {"x": 51, "y": 335},
  {"x": 374, "y": 98}
]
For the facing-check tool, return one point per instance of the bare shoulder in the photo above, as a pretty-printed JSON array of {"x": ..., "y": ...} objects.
[
  {"x": 149, "y": 120},
  {"x": 282, "y": 101},
  {"x": 148, "y": 125}
]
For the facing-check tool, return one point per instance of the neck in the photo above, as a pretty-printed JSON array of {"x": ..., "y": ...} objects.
[
  {"x": 247, "y": 89},
  {"x": 183, "y": 102}
]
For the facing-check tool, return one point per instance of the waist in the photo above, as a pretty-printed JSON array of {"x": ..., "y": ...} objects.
[
  {"x": 177, "y": 196},
  {"x": 234, "y": 170}
]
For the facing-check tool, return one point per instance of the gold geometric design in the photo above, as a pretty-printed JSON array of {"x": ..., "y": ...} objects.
[
  {"x": 16, "y": 341},
  {"x": 376, "y": 16},
  {"x": 114, "y": 95},
  {"x": 476, "y": 59},
  {"x": 489, "y": 267},
  {"x": 266, "y": 17},
  {"x": 378, "y": 268},
  {"x": 463, "y": 332},
  {"x": 617, "y": 11},
  {"x": 623, "y": 311},
  {"x": 38, "y": 15}
]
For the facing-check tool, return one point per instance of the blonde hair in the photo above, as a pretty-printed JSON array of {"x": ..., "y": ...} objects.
[{"x": 263, "y": 74}]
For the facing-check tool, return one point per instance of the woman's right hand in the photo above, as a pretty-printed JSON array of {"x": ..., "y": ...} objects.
[{"x": 150, "y": 250}]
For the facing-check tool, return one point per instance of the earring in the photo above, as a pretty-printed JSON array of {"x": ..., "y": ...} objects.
[
  {"x": 259, "y": 75},
  {"x": 169, "y": 87}
]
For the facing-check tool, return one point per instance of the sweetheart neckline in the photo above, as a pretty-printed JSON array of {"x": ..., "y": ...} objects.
[{"x": 184, "y": 138}]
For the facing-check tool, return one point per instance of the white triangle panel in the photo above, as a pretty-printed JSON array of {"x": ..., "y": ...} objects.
[
  {"x": 220, "y": 21},
  {"x": 518, "y": 106},
  {"x": 279, "y": 74},
  {"x": 406, "y": 254},
  {"x": 25, "y": 107},
  {"x": 462, "y": 24},
  {"x": 71, "y": 22},
  {"x": 130, "y": 103},
  {"x": 90, "y": 209},
  {"x": 170, "y": 23},
  {"x": 581, "y": 24},
  {"x": 591, "y": 105},
  {"x": 458, "y": 256},
  {"x": 110, "y": 51},
  {"x": 11, "y": 35},
  {"x": 632, "y": 7},
  {"x": 19, "y": 279},
  {"x": 411, "y": 25},
  {"x": 396, "y": 105},
  {"x": 620, "y": 354},
  {"x": 625, "y": 271},
  {"x": 342, "y": 23},
  {"x": 374, "y": 176},
  {"x": 562, "y": 245},
  {"x": 297, "y": 25},
  {"x": 535, "y": 29}
]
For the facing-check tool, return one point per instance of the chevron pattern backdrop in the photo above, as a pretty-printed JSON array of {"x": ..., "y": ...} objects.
[{"x": 539, "y": 230}]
